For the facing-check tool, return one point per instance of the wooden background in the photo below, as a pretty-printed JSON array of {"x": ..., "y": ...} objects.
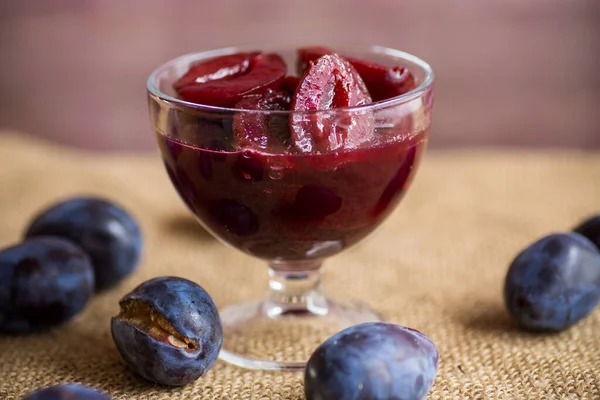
[{"x": 511, "y": 72}]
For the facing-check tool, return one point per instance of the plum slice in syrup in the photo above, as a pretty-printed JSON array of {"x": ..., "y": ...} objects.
[
  {"x": 290, "y": 83},
  {"x": 216, "y": 68},
  {"x": 381, "y": 81},
  {"x": 225, "y": 80},
  {"x": 328, "y": 83},
  {"x": 259, "y": 130}
]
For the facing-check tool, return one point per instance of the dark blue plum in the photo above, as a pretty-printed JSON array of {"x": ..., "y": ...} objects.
[
  {"x": 553, "y": 283},
  {"x": 168, "y": 331},
  {"x": 44, "y": 282},
  {"x": 67, "y": 392},
  {"x": 104, "y": 230},
  {"x": 374, "y": 361},
  {"x": 590, "y": 228}
]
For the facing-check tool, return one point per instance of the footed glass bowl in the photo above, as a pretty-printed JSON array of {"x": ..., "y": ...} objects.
[{"x": 292, "y": 209}]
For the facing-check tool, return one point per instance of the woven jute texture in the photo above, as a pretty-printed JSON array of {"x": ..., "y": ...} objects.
[{"x": 436, "y": 265}]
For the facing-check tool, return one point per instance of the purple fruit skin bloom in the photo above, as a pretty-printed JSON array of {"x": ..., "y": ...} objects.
[{"x": 374, "y": 361}]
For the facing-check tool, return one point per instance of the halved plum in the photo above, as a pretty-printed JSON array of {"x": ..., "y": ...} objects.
[
  {"x": 329, "y": 83},
  {"x": 381, "y": 81},
  {"x": 265, "y": 71},
  {"x": 259, "y": 130},
  {"x": 222, "y": 67}
]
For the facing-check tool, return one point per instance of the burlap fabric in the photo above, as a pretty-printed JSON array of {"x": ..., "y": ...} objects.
[{"x": 437, "y": 265}]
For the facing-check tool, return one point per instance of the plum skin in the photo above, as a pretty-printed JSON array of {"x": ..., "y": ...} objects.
[
  {"x": 70, "y": 391},
  {"x": 188, "y": 312},
  {"x": 44, "y": 282},
  {"x": 553, "y": 283},
  {"x": 109, "y": 234},
  {"x": 374, "y": 361}
]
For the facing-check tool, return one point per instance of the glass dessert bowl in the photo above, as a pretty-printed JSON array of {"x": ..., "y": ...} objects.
[{"x": 293, "y": 172}]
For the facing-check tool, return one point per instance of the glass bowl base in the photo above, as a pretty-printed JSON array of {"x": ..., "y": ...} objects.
[{"x": 270, "y": 336}]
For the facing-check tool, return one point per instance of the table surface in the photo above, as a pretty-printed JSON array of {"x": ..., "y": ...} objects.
[{"x": 436, "y": 265}]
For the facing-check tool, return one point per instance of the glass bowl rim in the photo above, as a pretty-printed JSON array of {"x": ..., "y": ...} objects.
[{"x": 417, "y": 92}]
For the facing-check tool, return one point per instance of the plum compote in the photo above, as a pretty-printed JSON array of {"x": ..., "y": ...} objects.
[{"x": 294, "y": 167}]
